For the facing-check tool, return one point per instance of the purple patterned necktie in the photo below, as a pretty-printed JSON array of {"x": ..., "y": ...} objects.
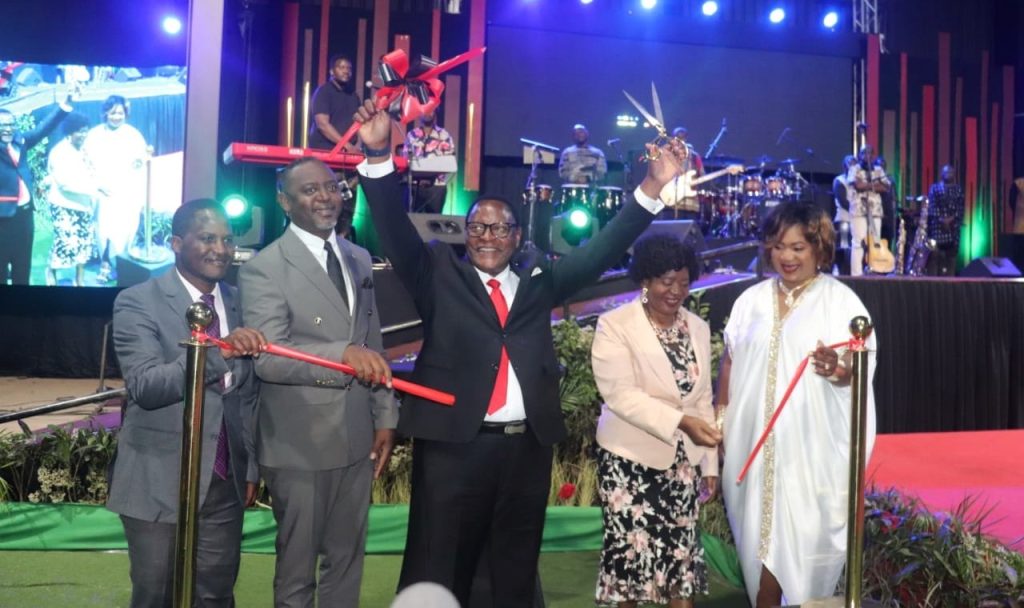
[{"x": 220, "y": 461}]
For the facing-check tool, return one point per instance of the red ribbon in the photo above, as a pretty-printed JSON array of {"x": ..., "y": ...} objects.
[
  {"x": 852, "y": 344},
  {"x": 411, "y": 388},
  {"x": 415, "y": 95}
]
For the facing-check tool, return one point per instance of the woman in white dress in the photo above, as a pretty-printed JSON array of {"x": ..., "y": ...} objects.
[
  {"x": 789, "y": 514},
  {"x": 117, "y": 152}
]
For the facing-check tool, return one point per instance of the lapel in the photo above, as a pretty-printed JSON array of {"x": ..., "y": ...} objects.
[
  {"x": 659, "y": 370},
  {"x": 296, "y": 254},
  {"x": 177, "y": 300},
  {"x": 476, "y": 287},
  {"x": 230, "y": 298}
]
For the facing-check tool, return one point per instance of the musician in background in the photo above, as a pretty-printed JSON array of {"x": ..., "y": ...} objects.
[
  {"x": 426, "y": 140},
  {"x": 334, "y": 102},
  {"x": 582, "y": 163},
  {"x": 693, "y": 161},
  {"x": 841, "y": 216},
  {"x": 868, "y": 181},
  {"x": 945, "y": 216}
]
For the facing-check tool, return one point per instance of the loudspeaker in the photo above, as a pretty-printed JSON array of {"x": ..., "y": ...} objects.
[
  {"x": 127, "y": 74},
  {"x": 251, "y": 235},
  {"x": 990, "y": 267},
  {"x": 449, "y": 229},
  {"x": 686, "y": 230}
]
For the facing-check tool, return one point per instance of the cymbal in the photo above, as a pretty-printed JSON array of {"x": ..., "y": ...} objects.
[
  {"x": 789, "y": 161},
  {"x": 764, "y": 159},
  {"x": 719, "y": 159}
]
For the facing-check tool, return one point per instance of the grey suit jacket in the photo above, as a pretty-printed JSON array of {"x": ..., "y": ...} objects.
[
  {"x": 149, "y": 326},
  {"x": 312, "y": 418}
]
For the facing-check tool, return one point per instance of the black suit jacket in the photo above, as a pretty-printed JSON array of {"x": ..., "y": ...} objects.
[
  {"x": 462, "y": 337},
  {"x": 9, "y": 173}
]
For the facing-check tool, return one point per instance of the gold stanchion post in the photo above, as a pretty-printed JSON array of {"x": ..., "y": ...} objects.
[
  {"x": 861, "y": 328},
  {"x": 199, "y": 317}
]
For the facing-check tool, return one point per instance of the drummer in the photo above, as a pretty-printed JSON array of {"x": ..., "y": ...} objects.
[{"x": 581, "y": 163}]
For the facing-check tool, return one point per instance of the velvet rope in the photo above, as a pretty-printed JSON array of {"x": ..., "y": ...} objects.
[
  {"x": 411, "y": 388},
  {"x": 851, "y": 344}
]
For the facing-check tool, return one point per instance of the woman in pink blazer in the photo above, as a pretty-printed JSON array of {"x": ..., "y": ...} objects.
[{"x": 656, "y": 435}]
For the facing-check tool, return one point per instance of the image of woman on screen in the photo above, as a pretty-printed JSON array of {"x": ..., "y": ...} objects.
[
  {"x": 656, "y": 435},
  {"x": 73, "y": 196},
  {"x": 117, "y": 152},
  {"x": 789, "y": 514}
]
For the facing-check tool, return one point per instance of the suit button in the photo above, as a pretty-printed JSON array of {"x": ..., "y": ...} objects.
[{"x": 495, "y": 367}]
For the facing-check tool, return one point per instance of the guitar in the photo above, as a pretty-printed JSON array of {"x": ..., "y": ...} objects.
[
  {"x": 877, "y": 256},
  {"x": 680, "y": 192}
]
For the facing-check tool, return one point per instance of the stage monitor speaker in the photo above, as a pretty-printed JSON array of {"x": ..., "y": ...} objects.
[
  {"x": 686, "y": 230},
  {"x": 127, "y": 74},
  {"x": 990, "y": 267},
  {"x": 449, "y": 229}
]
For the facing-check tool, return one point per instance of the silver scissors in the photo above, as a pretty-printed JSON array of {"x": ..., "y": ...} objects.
[{"x": 656, "y": 120}]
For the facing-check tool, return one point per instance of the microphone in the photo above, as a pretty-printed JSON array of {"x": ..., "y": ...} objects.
[
  {"x": 613, "y": 141},
  {"x": 782, "y": 136}
]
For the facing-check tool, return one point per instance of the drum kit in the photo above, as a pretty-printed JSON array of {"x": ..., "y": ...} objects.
[{"x": 736, "y": 204}]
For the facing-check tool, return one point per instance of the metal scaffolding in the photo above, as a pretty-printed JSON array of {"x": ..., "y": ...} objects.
[{"x": 865, "y": 21}]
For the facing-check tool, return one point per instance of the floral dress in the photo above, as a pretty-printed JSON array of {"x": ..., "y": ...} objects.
[{"x": 651, "y": 550}]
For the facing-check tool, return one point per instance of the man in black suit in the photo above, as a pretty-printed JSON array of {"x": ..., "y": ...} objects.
[
  {"x": 482, "y": 468},
  {"x": 16, "y": 188}
]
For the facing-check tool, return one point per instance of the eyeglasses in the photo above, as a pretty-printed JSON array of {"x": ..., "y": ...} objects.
[{"x": 498, "y": 229}]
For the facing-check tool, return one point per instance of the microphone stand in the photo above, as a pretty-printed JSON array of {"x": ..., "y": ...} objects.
[
  {"x": 718, "y": 138},
  {"x": 529, "y": 255},
  {"x": 627, "y": 168}
]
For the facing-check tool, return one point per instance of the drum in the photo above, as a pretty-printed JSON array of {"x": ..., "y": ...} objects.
[
  {"x": 777, "y": 188},
  {"x": 752, "y": 186},
  {"x": 607, "y": 204},
  {"x": 713, "y": 205},
  {"x": 574, "y": 195},
  {"x": 544, "y": 193}
]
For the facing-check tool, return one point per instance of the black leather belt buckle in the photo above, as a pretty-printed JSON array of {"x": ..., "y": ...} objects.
[{"x": 504, "y": 428}]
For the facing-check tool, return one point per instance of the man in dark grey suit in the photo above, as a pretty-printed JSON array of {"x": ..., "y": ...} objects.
[
  {"x": 322, "y": 435},
  {"x": 149, "y": 326}
]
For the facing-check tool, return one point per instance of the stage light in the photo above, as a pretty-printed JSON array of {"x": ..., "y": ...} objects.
[
  {"x": 571, "y": 229},
  {"x": 709, "y": 8},
  {"x": 830, "y": 20},
  {"x": 648, "y": 4},
  {"x": 235, "y": 206},
  {"x": 586, "y": 1},
  {"x": 777, "y": 15},
  {"x": 171, "y": 25},
  {"x": 578, "y": 218}
]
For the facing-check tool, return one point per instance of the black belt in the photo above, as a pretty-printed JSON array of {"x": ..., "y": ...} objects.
[{"x": 504, "y": 428}]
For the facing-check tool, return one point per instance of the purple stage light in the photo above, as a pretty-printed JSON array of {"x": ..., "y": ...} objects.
[
  {"x": 648, "y": 4},
  {"x": 709, "y": 8},
  {"x": 777, "y": 15},
  {"x": 830, "y": 20},
  {"x": 171, "y": 25},
  {"x": 586, "y": 1}
]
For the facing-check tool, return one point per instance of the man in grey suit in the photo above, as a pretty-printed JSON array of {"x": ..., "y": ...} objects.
[
  {"x": 322, "y": 435},
  {"x": 149, "y": 326}
]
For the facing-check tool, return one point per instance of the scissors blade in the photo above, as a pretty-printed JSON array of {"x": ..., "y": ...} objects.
[
  {"x": 647, "y": 115},
  {"x": 657, "y": 106}
]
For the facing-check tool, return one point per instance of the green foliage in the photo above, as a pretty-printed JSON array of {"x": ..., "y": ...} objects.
[
  {"x": 916, "y": 558},
  {"x": 395, "y": 483},
  {"x": 57, "y": 466}
]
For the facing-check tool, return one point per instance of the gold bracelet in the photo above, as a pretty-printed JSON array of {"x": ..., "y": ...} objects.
[{"x": 720, "y": 416}]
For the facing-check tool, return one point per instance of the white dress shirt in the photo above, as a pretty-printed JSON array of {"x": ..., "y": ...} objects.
[
  {"x": 218, "y": 307},
  {"x": 315, "y": 245}
]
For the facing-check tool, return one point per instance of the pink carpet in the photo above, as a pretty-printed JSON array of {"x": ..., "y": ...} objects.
[{"x": 943, "y": 468}]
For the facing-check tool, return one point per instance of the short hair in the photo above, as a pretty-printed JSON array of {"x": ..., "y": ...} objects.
[
  {"x": 112, "y": 101},
  {"x": 813, "y": 221},
  {"x": 73, "y": 123},
  {"x": 512, "y": 208},
  {"x": 679, "y": 131},
  {"x": 185, "y": 216},
  {"x": 579, "y": 126},
  {"x": 284, "y": 173},
  {"x": 658, "y": 253},
  {"x": 849, "y": 160},
  {"x": 335, "y": 58}
]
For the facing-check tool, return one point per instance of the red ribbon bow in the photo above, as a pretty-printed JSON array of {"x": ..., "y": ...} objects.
[{"x": 412, "y": 96}]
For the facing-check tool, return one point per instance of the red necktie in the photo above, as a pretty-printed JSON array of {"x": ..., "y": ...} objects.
[{"x": 501, "y": 382}]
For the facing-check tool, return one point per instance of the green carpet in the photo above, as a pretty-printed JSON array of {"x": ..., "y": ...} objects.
[{"x": 87, "y": 579}]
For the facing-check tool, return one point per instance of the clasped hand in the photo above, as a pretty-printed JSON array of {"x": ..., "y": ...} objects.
[
  {"x": 370, "y": 367},
  {"x": 244, "y": 341}
]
